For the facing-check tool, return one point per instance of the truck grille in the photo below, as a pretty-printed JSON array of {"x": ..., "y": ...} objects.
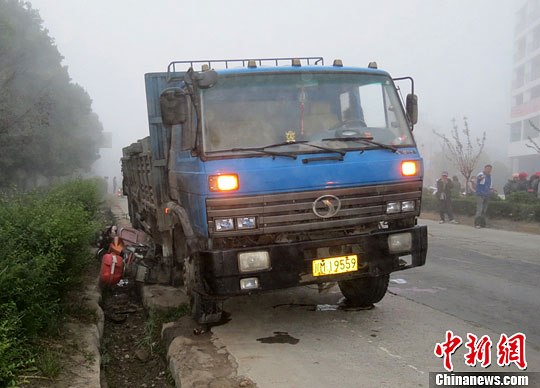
[{"x": 290, "y": 212}]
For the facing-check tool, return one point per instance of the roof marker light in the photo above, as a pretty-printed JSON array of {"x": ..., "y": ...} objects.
[
  {"x": 205, "y": 67},
  {"x": 372, "y": 65},
  {"x": 338, "y": 63},
  {"x": 296, "y": 62},
  {"x": 252, "y": 64}
]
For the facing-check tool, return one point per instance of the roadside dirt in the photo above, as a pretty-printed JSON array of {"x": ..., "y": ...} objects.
[
  {"x": 514, "y": 226},
  {"x": 131, "y": 355}
]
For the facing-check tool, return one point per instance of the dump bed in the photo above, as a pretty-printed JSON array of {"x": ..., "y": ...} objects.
[
  {"x": 144, "y": 162},
  {"x": 137, "y": 185}
]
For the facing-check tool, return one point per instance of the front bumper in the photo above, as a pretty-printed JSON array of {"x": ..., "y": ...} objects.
[{"x": 291, "y": 263}]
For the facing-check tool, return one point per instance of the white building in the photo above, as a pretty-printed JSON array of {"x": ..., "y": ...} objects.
[{"x": 525, "y": 88}]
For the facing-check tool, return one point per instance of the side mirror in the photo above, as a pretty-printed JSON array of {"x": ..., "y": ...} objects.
[
  {"x": 173, "y": 103},
  {"x": 411, "y": 106},
  {"x": 206, "y": 79}
]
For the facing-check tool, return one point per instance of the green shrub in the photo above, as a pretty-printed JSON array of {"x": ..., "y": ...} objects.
[
  {"x": 13, "y": 356},
  {"x": 464, "y": 205},
  {"x": 523, "y": 197},
  {"x": 45, "y": 240},
  {"x": 519, "y": 206}
]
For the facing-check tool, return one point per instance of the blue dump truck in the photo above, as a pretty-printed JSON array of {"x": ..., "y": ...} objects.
[{"x": 274, "y": 173}]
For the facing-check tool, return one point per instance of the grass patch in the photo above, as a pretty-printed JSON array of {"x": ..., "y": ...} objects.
[
  {"x": 48, "y": 364},
  {"x": 154, "y": 324}
]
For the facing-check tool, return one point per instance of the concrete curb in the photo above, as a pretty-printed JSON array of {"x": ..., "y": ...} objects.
[
  {"x": 87, "y": 338},
  {"x": 197, "y": 360}
]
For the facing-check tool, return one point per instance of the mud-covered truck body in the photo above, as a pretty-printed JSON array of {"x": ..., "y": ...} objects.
[{"x": 277, "y": 173}]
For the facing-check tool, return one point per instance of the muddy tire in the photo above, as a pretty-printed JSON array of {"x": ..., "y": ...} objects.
[
  {"x": 204, "y": 309},
  {"x": 363, "y": 292}
]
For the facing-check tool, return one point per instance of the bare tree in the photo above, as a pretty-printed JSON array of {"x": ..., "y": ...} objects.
[
  {"x": 534, "y": 145},
  {"x": 462, "y": 153}
]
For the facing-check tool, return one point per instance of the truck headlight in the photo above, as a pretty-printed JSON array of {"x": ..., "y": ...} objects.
[
  {"x": 393, "y": 207},
  {"x": 246, "y": 223},
  {"x": 407, "y": 206},
  {"x": 224, "y": 224},
  {"x": 399, "y": 242},
  {"x": 253, "y": 261}
]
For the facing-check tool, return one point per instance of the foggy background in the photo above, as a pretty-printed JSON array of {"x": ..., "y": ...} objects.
[{"x": 458, "y": 51}]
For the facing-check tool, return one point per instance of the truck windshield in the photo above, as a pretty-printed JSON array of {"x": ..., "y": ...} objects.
[{"x": 257, "y": 110}]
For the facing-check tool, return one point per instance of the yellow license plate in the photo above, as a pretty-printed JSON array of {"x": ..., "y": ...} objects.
[{"x": 335, "y": 265}]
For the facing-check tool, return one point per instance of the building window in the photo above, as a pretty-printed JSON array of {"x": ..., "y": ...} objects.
[
  {"x": 519, "y": 77},
  {"x": 535, "y": 92},
  {"x": 536, "y": 38},
  {"x": 535, "y": 68},
  {"x": 518, "y": 100},
  {"x": 534, "y": 11},
  {"x": 530, "y": 127},
  {"x": 521, "y": 19},
  {"x": 515, "y": 131},
  {"x": 520, "y": 48}
]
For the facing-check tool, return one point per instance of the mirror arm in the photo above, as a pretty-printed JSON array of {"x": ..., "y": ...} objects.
[
  {"x": 194, "y": 94},
  {"x": 403, "y": 78},
  {"x": 409, "y": 119}
]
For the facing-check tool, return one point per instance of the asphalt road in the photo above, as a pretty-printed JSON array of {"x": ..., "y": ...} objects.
[{"x": 484, "y": 282}]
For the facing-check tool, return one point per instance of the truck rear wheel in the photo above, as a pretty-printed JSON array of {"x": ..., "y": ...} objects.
[{"x": 363, "y": 292}]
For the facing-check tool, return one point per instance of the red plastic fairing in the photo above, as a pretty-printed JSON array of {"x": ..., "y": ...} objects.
[{"x": 112, "y": 268}]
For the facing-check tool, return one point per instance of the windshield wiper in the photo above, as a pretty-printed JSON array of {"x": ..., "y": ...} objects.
[
  {"x": 341, "y": 152},
  {"x": 256, "y": 149},
  {"x": 305, "y": 142},
  {"x": 265, "y": 151},
  {"x": 366, "y": 139}
]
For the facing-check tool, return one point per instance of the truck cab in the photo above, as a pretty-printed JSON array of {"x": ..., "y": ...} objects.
[{"x": 275, "y": 173}]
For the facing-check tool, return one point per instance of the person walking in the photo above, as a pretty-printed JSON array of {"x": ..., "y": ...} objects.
[
  {"x": 511, "y": 186},
  {"x": 444, "y": 195},
  {"x": 472, "y": 186},
  {"x": 456, "y": 186},
  {"x": 483, "y": 192},
  {"x": 535, "y": 184},
  {"x": 523, "y": 183}
]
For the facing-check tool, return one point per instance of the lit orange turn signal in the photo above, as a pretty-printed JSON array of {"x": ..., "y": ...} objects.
[
  {"x": 223, "y": 182},
  {"x": 408, "y": 168}
]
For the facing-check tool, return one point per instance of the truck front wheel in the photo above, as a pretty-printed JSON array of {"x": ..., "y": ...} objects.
[
  {"x": 204, "y": 309},
  {"x": 363, "y": 292}
]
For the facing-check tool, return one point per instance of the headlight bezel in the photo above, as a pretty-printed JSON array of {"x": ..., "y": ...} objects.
[
  {"x": 393, "y": 207},
  {"x": 263, "y": 257},
  {"x": 239, "y": 224},
  {"x": 219, "y": 228},
  {"x": 410, "y": 208},
  {"x": 400, "y": 242}
]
